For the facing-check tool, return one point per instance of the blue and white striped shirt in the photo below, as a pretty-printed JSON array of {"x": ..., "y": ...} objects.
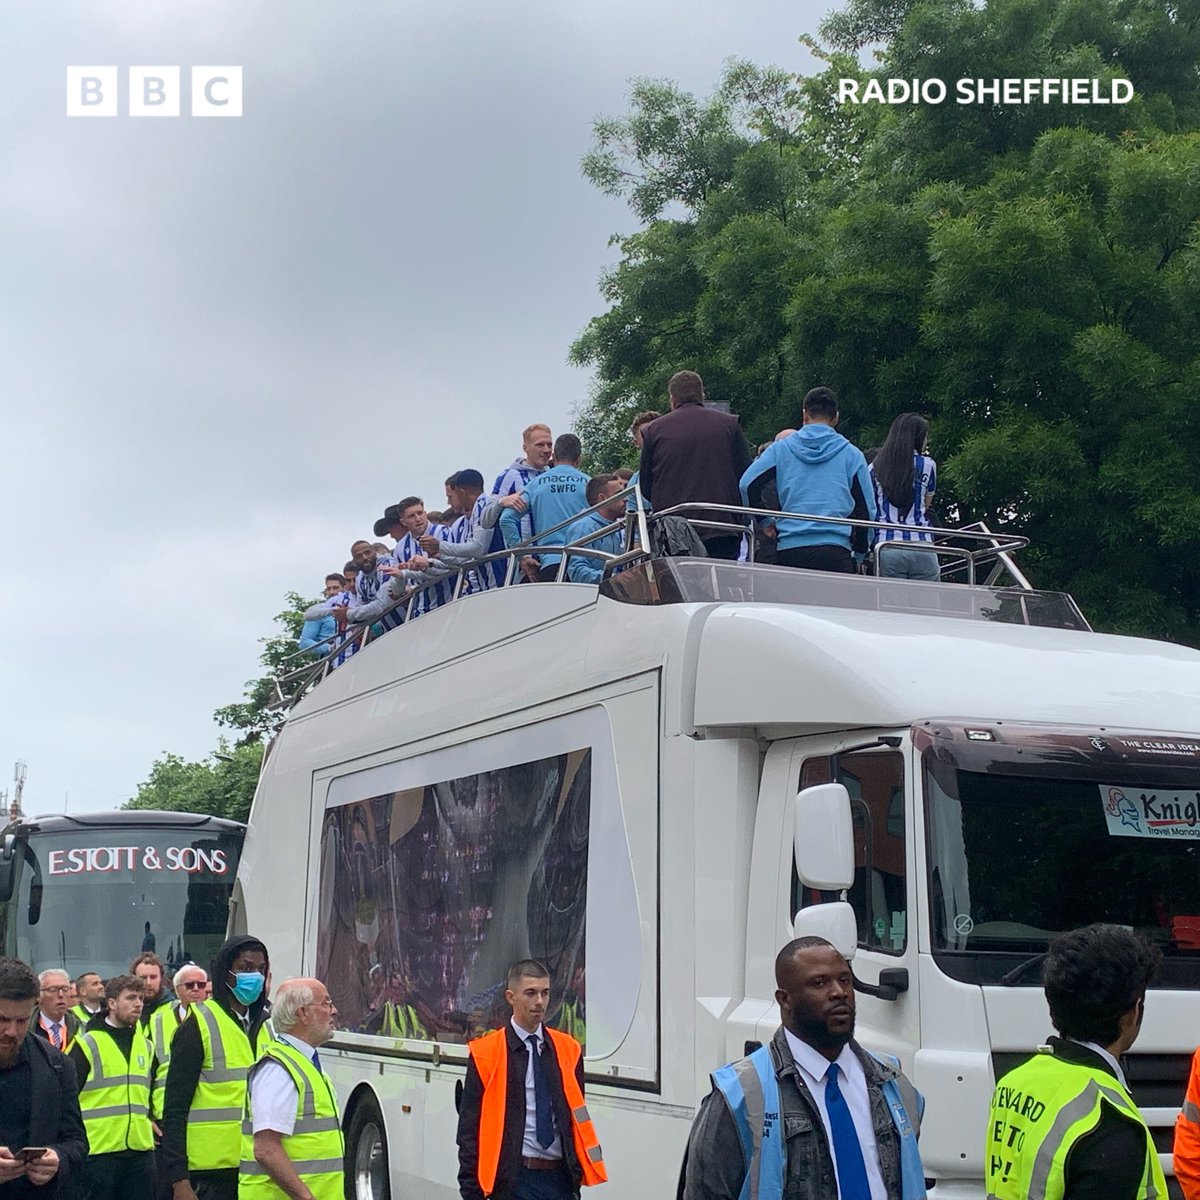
[
  {"x": 366, "y": 592},
  {"x": 435, "y": 595},
  {"x": 924, "y": 485},
  {"x": 515, "y": 478}
]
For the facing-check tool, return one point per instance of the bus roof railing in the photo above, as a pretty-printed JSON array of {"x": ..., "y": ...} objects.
[{"x": 992, "y": 547}]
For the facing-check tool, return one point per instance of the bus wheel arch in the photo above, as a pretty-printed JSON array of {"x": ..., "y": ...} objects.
[{"x": 368, "y": 1171}]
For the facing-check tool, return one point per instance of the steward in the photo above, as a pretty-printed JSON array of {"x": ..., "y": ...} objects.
[
  {"x": 211, "y": 1056},
  {"x": 1063, "y": 1125}
]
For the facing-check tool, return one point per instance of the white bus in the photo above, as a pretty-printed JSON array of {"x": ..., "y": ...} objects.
[{"x": 630, "y": 783}]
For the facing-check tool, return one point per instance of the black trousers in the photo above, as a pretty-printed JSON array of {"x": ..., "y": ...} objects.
[
  {"x": 727, "y": 546},
  {"x": 544, "y": 1185},
  {"x": 123, "y": 1175},
  {"x": 818, "y": 558},
  {"x": 216, "y": 1185}
]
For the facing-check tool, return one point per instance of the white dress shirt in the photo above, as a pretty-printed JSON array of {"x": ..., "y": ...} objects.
[
  {"x": 49, "y": 1025},
  {"x": 530, "y": 1146},
  {"x": 853, "y": 1086},
  {"x": 273, "y": 1094},
  {"x": 1108, "y": 1058}
]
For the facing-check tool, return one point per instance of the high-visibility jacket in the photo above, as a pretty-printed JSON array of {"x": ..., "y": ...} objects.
[
  {"x": 490, "y": 1055},
  {"x": 1187, "y": 1136},
  {"x": 315, "y": 1146},
  {"x": 115, "y": 1100},
  {"x": 214, "y": 1123},
  {"x": 163, "y": 1025},
  {"x": 401, "y": 1021},
  {"x": 751, "y": 1090},
  {"x": 82, "y": 1015},
  {"x": 570, "y": 1020},
  {"x": 1039, "y": 1111}
]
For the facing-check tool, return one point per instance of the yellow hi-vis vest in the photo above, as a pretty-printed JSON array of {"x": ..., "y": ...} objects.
[
  {"x": 115, "y": 1100},
  {"x": 401, "y": 1021},
  {"x": 163, "y": 1025},
  {"x": 1039, "y": 1111},
  {"x": 214, "y": 1128},
  {"x": 315, "y": 1146}
]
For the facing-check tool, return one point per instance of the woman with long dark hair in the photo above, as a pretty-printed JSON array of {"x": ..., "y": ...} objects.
[{"x": 905, "y": 478}]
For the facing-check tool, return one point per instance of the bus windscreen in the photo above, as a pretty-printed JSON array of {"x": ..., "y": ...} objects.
[{"x": 93, "y": 899}]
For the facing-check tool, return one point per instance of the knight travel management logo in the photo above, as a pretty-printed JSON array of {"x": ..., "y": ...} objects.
[{"x": 153, "y": 91}]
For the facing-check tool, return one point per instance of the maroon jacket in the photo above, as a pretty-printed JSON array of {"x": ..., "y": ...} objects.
[{"x": 694, "y": 453}]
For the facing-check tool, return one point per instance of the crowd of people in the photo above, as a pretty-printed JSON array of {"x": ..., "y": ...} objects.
[
  {"x": 247, "y": 1110},
  {"x": 690, "y": 456}
]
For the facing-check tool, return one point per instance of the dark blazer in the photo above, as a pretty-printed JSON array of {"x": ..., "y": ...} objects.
[
  {"x": 694, "y": 453},
  {"x": 71, "y": 1021},
  {"x": 509, "y": 1167},
  {"x": 54, "y": 1118}
]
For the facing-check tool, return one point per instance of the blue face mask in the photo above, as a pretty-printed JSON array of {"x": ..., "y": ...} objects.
[{"x": 247, "y": 986}]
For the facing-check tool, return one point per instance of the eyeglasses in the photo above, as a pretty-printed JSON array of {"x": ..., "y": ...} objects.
[
  {"x": 192, "y": 986},
  {"x": 56, "y": 991}
]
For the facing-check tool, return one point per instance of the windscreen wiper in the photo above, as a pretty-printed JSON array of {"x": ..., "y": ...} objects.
[{"x": 1011, "y": 978}]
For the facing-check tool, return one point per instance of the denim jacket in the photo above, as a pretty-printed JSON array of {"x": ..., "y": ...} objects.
[{"x": 714, "y": 1166}]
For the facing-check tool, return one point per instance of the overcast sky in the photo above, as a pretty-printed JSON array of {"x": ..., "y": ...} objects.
[{"x": 226, "y": 344}]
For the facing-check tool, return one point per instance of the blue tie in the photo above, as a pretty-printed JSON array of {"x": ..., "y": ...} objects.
[
  {"x": 541, "y": 1097},
  {"x": 851, "y": 1171},
  {"x": 316, "y": 1060}
]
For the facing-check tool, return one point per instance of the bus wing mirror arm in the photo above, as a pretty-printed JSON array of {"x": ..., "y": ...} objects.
[{"x": 892, "y": 982}]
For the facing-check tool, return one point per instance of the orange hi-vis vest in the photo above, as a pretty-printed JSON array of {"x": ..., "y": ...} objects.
[
  {"x": 1187, "y": 1136},
  {"x": 491, "y": 1061}
]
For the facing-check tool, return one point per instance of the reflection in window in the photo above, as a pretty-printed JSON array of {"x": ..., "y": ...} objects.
[
  {"x": 875, "y": 782},
  {"x": 429, "y": 894}
]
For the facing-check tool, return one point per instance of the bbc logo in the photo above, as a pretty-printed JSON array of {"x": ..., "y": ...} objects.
[{"x": 154, "y": 91}]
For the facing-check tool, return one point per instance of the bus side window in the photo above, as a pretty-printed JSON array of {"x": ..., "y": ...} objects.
[{"x": 875, "y": 782}]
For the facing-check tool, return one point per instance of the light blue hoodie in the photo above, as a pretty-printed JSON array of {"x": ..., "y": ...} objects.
[
  {"x": 552, "y": 496},
  {"x": 817, "y": 471}
]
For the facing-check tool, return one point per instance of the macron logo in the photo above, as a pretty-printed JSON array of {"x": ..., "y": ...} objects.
[{"x": 154, "y": 91}]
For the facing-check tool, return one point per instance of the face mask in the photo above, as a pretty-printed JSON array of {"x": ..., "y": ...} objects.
[{"x": 247, "y": 986}]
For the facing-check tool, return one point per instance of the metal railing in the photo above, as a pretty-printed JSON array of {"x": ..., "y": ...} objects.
[{"x": 639, "y": 547}]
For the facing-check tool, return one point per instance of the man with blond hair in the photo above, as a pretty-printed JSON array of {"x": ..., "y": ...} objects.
[
  {"x": 537, "y": 446},
  {"x": 292, "y": 1142}
]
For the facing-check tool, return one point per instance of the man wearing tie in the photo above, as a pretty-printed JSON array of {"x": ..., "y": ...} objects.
[
  {"x": 54, "y": 1022},
  {"x": 292, "y": 1143},
  {"x": 523, "y": 1128},
  {"x": 851, "y": 1120}
]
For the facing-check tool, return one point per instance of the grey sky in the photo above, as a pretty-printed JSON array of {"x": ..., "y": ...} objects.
[{"x": 225, "y": 345}]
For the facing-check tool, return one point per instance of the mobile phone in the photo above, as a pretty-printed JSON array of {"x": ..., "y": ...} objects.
[{"x": 30, "y": 1153}]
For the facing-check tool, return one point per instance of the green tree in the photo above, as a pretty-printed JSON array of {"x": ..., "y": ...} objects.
[
  {"x": 1025, "y": 275},
  {"x": 219, "y": 786}
]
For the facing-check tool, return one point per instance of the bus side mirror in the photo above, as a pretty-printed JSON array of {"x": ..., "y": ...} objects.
[
  {"x": 8, "y": 867},
  {"x": 823, "y": 834},
  {"x": 835, "y": 922}
]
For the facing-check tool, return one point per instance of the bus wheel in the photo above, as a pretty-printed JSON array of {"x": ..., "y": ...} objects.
[{"x": 366, "y": 1154}]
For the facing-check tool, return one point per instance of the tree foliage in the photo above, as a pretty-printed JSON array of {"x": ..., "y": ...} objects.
[
  {"x": 219, "y": 786},
  {"x": 1027, "y": 276}
]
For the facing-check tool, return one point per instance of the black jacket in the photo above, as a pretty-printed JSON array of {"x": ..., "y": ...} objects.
[
  {"x": 187, "y": 1058},
  {"x": 1106, "y": 1164},
  {"x": 54, "y": 1119},
  {"x": 508, "y": 1170}
]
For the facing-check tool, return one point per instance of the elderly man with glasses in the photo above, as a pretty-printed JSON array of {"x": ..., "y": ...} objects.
[{"x": 54, "y": 1021}]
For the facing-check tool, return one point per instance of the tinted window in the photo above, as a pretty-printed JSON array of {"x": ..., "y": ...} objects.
[{"x": 428, "y": 895}]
